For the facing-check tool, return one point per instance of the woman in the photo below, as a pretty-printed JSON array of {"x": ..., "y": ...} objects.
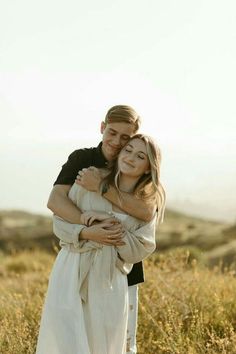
[{"x": 86, "y": 305}]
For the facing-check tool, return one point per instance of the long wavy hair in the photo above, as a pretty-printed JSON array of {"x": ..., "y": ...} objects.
[{"x": 148, "y": 187}]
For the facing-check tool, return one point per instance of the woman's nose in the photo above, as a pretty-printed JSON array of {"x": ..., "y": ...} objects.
[{"x": 130, "y": 157}]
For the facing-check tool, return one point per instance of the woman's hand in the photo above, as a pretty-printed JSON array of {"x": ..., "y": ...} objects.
[
  {"x": 89, "y": 217},
  {"x": 104, "y": 232}
]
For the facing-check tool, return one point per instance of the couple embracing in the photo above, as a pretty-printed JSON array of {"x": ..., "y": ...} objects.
[{"x": 106, "y": 225}]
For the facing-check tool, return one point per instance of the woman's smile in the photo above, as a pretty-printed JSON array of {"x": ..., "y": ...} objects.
[
  {"x": 128, "y": 164},
  {"x": 133, "y": 159}
]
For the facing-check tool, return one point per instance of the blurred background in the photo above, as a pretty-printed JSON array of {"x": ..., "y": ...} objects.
[{"x": 64, "y": 64}]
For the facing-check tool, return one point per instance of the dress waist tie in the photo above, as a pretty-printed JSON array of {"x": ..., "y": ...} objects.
[{"x": 88, "y": 253}]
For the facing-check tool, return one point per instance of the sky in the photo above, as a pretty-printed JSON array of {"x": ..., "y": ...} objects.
[{"x": 63, "y": 64}]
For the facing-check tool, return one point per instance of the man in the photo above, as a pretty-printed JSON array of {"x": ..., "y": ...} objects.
[{"x": 121, "y": 122}]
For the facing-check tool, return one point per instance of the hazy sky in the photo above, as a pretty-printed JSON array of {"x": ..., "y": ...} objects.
[{"x": 64, "y": 63}]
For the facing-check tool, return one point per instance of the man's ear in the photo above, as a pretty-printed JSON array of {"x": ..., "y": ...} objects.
[{"x": 103, "y": 127}]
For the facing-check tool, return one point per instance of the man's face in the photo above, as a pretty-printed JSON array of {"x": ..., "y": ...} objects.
[{"x": 115, "y": 136}]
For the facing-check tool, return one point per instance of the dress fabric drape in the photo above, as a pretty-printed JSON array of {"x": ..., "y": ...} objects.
[
  {"x": 70, "y": 325},
  {"x": 86, "y": 305}
]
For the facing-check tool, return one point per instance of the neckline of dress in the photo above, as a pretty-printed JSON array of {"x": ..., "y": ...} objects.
[{"x": 118, "y": 213}]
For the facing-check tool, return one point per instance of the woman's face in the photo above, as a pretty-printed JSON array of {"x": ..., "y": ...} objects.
[{"x": 133, "y": 159}]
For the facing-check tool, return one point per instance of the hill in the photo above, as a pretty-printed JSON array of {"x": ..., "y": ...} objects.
[
  {"x": 23, "y": 230},
  {"x": 212, "y": 240}
]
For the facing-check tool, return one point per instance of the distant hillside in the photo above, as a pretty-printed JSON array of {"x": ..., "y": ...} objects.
[
  {"x": 179, "y": 229},
  {"x": 24, "y": 230}
]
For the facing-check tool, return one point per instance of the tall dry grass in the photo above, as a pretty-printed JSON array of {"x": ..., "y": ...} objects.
[
  {"x": 23, "y": 283},
  {"x": 184, "y": 308}
]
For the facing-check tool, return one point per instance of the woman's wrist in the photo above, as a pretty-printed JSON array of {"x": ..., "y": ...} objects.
[{"x": 84, "y": 234}]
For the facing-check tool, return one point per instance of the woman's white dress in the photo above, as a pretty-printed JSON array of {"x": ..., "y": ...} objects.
[{"x": 86, "y": 305}]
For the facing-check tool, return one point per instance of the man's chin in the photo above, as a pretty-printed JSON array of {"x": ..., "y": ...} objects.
[{"x": 113, "y": 156}]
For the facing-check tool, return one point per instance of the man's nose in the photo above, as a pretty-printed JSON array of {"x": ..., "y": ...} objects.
[{"x": 117, "y": 141}]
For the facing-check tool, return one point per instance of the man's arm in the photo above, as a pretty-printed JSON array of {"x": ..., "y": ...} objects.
[
  {"x": 61, "y": 205},
  {"x": 130, "y": 204},
  {"x": 105, "y": 232},
  {"x": 59, "y": 202},
  {"x": 90, "y": 179}
]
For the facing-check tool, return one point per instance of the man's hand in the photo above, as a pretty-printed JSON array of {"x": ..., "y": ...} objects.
[
  {"x": 105, "y": 232},
  {"x": 89, "y": 217},
  {"x": 89, "y": 178}
]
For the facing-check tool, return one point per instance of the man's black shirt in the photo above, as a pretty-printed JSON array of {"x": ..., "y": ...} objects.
[{"x": 84, "y": 158}]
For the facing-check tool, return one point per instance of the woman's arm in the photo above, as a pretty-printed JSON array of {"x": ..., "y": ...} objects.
[
  {"x": 108, "y": 231},
  {"x": 139, "y": 243},
  {"x": 75, "y": 233},
  {"x": 67, "y": 232},
  {"x": 90, "y": 179}
]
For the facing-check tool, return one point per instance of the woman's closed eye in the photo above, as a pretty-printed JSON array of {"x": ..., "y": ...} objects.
[{"x": 128, "y": 150}]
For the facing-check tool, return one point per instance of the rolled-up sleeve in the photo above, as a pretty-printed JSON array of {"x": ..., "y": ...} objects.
[
  {"x": 66, "y": 232},
  {"x": 139, "y": 243}
]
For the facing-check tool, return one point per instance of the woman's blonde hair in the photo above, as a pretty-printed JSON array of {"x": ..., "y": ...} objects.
[
  {"x": 125, "y": 114},
  {"x": 148, "y": 186}
]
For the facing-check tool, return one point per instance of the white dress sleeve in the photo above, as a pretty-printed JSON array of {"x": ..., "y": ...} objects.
[
  {"x": 139, "y": 243},
  {"x": 67, "y": 232}
]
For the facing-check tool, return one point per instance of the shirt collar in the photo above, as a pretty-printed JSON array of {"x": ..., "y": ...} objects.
[{"x": 100, "y": 155}]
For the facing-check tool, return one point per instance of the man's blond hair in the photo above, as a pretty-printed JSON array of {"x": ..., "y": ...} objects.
[{"x": 125, "y": 114}]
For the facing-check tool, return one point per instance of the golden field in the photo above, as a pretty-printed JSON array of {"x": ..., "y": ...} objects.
[
  {"x": 187, "y": 304},
  {"x": 184, "y": 307}
]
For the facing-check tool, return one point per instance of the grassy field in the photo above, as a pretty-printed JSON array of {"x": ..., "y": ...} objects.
[{"x": 184, "y": 307}]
